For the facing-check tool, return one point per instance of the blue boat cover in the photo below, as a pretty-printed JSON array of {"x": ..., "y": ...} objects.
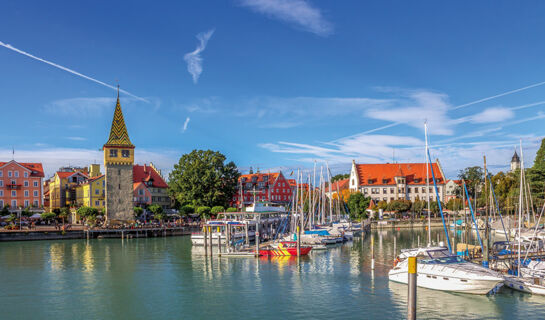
[{"x": 318, "y": 232}]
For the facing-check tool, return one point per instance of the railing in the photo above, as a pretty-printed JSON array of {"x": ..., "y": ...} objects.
[{"x": 13, "y": 186}]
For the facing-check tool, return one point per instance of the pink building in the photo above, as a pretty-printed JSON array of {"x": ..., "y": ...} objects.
[{"x": 21, "y": 184}]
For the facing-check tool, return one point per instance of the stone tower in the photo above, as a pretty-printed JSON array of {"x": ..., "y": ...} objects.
[
  {"x": 515, "y": 162},
  {"x": 118, "y": 163}
]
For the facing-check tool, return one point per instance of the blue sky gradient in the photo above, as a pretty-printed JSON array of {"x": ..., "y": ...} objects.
[{"x": 283, "y": 83}]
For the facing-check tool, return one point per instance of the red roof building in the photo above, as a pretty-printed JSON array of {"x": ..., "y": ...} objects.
[
  {"x": 21, "y": 184},
  {"x": 452, "y": 189},
  {"x": 273, "y": 187},
  {"x": 397, "y": 181},
  {"x": 149, "y": 186}
]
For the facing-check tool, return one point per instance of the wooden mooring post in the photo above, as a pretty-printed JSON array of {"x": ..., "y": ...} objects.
[
  {"x": 205, "y": 238},
  {"x": 372, "y": 252},
  {"x": 210, "y": 234},
  {"x": 411, "y": 297}
]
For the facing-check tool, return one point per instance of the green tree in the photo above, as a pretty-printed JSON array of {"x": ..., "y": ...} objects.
[
  {"x": 340, "y": 177},
  {"x": 217, "y": 209},
  {"x": 5, "y": 210},
  {"x": 473, "y": 176},
  {"x": 202, "y": 178},
  {"x": 357, "y": 204},
  {"x": 64, "y": 213},
  {"x": 204, "y": 211},
  {"x": 187, "y": 210},
  {"x": 48, "y": 216},
  {"x": 26, "y": 212},
  {"x": 138, "y": 212},
  {"x": 382, "y": 205},
  {"x": 87, "y": 213},
  {"x": 399, "y": 206},
  {"x": 418, "y": 206},
  {"x": 454, "y": 204}
]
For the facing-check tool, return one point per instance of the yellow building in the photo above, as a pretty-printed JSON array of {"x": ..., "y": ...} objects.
[
  {"x": 91, "y": 192},
  {"x": 62, "y": 188}
]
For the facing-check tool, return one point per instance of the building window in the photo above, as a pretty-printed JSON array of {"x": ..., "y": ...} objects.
[
  {"x": 97, "y": 191},
  {"x": 16, "y": 174},
  {"x": 25, "y": 174},
  {"x": 36, "y": 184},
  {"x": 13, "y": 193},
  {"x": 36, "y": 203},
  {"x": 113, "y": 153},
  {"x": 1, "y": 174},
  {"x": 125, "y": 153},
  {"x": 26, "y": 183},
  {"x": 1, "y": 194},
  {"x": 27, "y": 203},
  {"x": 1, "y": 183},
  {"x": 14, "y": 203},
  {"x": 1, "y": 203},
  {"x": 384, "y": 190},
  {"x": 10, "y": 174},
  {"x": 26, "y": 193},
  {"x": 97, "y": 203},
  {"x": 391, "y": 190}
]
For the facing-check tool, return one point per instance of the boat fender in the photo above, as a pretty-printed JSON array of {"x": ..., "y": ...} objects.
[{"x": 396, "y": 261}]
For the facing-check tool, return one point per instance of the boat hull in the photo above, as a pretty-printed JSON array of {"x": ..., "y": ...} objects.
[
  {"x": 451, "y": 283},
  {"x": 284, "y": 251}
]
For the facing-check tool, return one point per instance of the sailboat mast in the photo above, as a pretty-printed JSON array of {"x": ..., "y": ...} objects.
[
  {"x": 330, "y": 194},
  {"x": 520, "y": 203},
  {"x": 428, "y": 183},
  {"x": 313, "y": 193}
]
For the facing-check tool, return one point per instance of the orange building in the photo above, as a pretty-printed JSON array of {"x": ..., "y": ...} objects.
[{"x": 21, "y": 184}]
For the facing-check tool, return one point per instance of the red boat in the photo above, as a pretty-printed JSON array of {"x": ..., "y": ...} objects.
[{"x": 285, "y": 248}]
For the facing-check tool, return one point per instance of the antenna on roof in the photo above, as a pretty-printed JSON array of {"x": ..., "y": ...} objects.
[{"x": 12, "y": 153}]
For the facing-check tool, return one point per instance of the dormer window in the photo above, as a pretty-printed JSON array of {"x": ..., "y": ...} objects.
[
  {"x": 254, "y": 179},
  {"x": 265, "y": 178},
  {"x": 385, "y": 180},
  {"x": 370, "y": 181},
  {"x": 113, "y": 153},
  {"x": 243, "y": 179}
]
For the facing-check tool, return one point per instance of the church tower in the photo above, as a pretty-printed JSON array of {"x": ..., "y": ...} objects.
[
  {"x": 118, "y": 164},
  {"x": 515, "y": 162}
]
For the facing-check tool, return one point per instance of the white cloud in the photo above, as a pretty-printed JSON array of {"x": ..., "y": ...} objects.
[
  {"x": 299, "y": 13},
  {"x": 420, "y": 106},
  {"x": 193, "y": 59},
  {"x": 186, "y": 123},
  {"x": 77, "y": 138},
  {"x": 494, "y": 114}
]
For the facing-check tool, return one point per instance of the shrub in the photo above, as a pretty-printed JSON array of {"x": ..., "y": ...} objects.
[
  {"x": 217, "y": 209},
  {"x": 187, "y": 210},
  {"x": 232, "y": 210},
  {"x": 203, "y": 211}
]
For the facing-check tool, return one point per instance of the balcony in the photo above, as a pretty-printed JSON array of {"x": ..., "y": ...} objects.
[{"x": 13, "y": 186}]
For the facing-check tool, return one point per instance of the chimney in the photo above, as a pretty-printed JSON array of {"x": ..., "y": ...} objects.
[{"x": 144, "y": 168}]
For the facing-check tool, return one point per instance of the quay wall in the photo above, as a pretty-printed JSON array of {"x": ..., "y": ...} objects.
[
  {"x": 27, "y": 235},
  {"x": 387, "y": 224}
]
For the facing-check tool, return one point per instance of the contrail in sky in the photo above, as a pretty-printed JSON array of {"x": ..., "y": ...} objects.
[{"x": 69, "y": 70}]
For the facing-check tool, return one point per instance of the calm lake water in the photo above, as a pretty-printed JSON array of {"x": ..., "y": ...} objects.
[{"x": 167, "y": 278}]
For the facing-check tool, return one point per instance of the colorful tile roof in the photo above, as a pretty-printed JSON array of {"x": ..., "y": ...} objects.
[
  {"x": 119, "y": 137},
  {"x": 146, "y": 173},
  {"x": 340, "y": 184},
  {"x": 259, "y": 177},
  {"x": 36, "y": 168},
  {"x": 384, "y": 173}
]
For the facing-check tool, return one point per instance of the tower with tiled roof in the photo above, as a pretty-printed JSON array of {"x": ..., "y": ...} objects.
[
  {"x": 118, "y": 163},
  {"x": 515, "y": 162}
]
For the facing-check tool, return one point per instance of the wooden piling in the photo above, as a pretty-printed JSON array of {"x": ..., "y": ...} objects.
[
  {"x": 298, "y": 241},
  {"x": 372, "y": 252},
  {"x": 411, "y": 299},
  {"x": 210, "y": 234},
  {"x": 205, "y": 238}
]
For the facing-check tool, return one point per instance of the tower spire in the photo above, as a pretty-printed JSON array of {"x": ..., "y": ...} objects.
[{"x": 118, "y": 133}]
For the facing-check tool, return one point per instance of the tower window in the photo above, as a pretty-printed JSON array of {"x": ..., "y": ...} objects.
[
  {"x": 113, "y": 153},
  {"x": 125, "y": 153}
]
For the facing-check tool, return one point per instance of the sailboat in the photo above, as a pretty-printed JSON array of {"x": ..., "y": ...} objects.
[
  {"x": 437, "y": 267},
  {"x": 529, "y": 274}
]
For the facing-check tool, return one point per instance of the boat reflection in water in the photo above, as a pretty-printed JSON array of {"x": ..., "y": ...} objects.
[{"x": 433, "y": 304}]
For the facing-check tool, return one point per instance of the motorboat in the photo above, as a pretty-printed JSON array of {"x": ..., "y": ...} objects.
[
  {"x": 284, "y": 248},
  {"x": 438, "y": 269}
]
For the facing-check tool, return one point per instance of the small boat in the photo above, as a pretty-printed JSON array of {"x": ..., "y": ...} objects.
[{"x": 285, "y": 248}]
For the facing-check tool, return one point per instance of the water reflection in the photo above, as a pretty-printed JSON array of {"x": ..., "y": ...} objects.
[{"x": 168, "y": 278}]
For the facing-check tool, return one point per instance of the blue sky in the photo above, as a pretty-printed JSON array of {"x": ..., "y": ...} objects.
[{"x": 275, "y": 84}]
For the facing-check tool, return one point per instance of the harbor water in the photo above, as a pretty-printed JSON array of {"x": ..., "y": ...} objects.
[{"x": 167, "y": 278}]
